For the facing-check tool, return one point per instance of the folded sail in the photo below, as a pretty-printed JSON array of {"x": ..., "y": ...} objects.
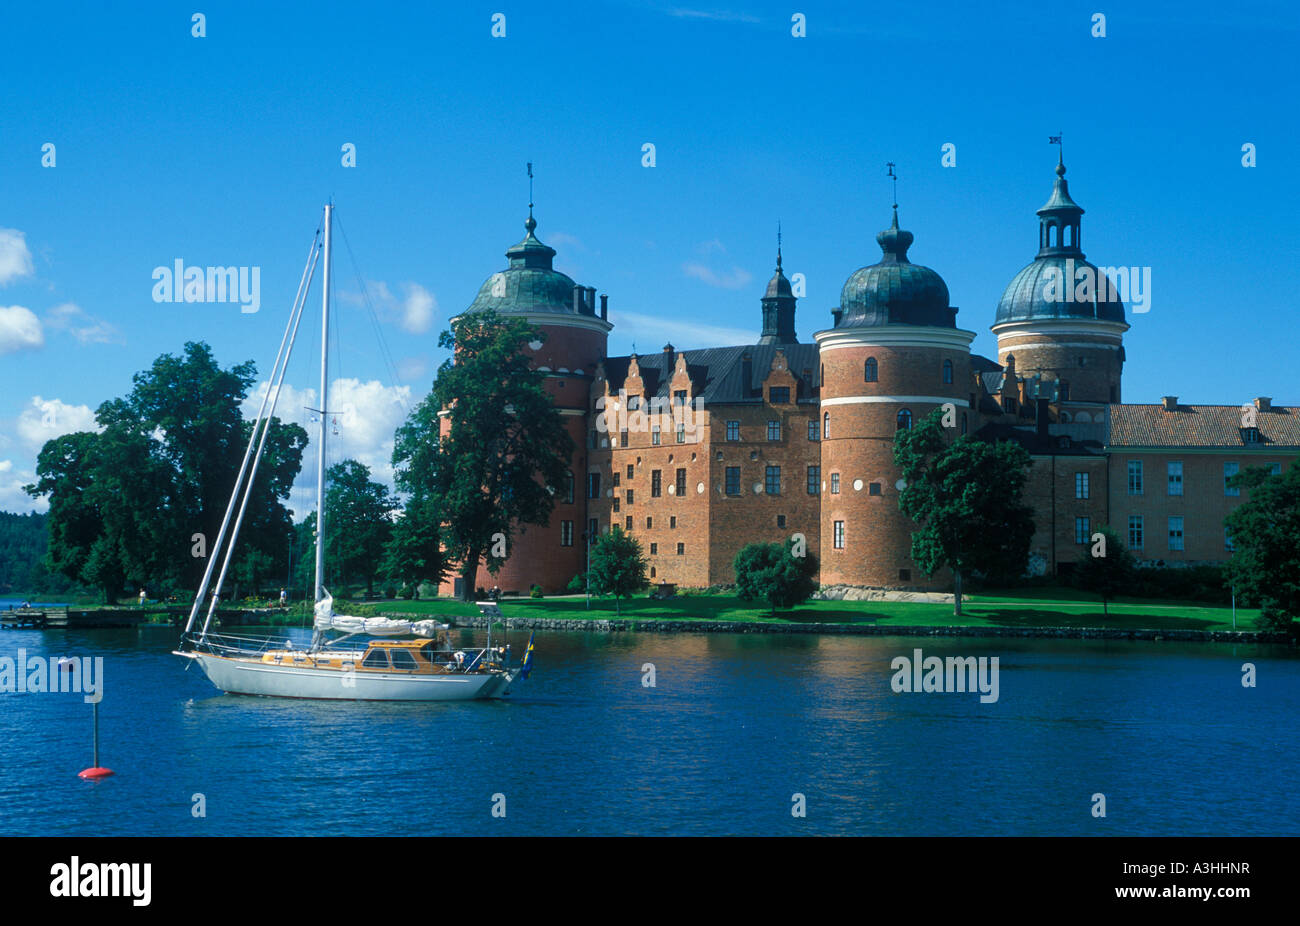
[{"x": 326, "y": 619}]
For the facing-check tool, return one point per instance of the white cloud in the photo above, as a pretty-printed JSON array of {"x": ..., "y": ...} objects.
[
  {"x": 655, "y": 329},
  {"x": 20, "y": 329},
  {"x": 46, "y": 419},
  {"x": 368, "y": 415},
  {"x": 15, "y": 259},
  {"x": 413, "y": 311},
  {"x": 735, "y": 278},
  {"x": 12, "y": 496},
  {"x": 413, "y": 369},
  {"x": 85, "y": 328}
]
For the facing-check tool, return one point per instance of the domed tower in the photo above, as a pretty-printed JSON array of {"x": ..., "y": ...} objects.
[
  {"x": 778, "y": 308},
  {"x": 576, "y": 335},
  {"x": 894, "y": 355},
  {"x": 1060, "y": 317}
]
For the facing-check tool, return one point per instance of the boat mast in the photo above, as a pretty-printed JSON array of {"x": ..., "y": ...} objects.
[{"x": 324, "y": 404}]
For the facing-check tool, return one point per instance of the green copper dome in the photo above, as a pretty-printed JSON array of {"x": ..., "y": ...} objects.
[
  {"x": 1059, "y": 283},
  {"x": 530, "y": 283},
  {"x": 895, "y": 291}
]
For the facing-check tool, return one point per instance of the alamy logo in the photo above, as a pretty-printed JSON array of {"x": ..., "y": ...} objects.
[
  {"x": 1086, "y": 283},
  {"x": 955, "y": 673},
  {"x": 103, "y": 879},
  {"x": 179, "y": 283},
  {"x": 53, "y": 674}
]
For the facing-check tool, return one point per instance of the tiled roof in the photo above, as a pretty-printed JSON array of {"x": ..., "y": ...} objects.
[
  {"x": 1201, "y": 426},
  {"x": 717, "y": 373}
]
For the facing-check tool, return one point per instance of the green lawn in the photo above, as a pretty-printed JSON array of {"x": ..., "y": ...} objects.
[{"x": 1032, "y": 608}]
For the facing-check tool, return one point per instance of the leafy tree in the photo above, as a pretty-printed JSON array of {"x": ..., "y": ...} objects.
[
  {"x": 504, "y": 448},
  {"x": 618, "y": 567},
  {"x": 965, "y": 497},
  {"x": 1265, "y": 564},
  {"x": 414, "y": 552},
  {"x": 358, "y": 525},
  {"x": 1107, "y": 568},
  {"x": 772, "y": 573}
]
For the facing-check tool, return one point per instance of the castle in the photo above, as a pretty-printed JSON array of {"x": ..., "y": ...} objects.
[{"x": 699, "y": 452}]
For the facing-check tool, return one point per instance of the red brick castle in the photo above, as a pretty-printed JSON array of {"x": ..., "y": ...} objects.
[{"x": 699, "y": 452}]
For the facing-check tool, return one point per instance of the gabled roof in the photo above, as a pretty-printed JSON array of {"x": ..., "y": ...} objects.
[
  {"x": 1202, "y": 426},
  {"x": 717, "y": 373}
]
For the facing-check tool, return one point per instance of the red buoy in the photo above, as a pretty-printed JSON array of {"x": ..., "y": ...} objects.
[{"x": 94, "y": 773}]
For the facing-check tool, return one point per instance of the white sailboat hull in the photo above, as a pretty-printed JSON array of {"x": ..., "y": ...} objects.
[{"x": 246, "y": 676}]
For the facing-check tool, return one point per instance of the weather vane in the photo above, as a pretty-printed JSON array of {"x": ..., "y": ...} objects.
[
  {"x": 530, "y": 189},
  {"x": 1056, "y": 140},
  {"x": 894, "y": 177}
]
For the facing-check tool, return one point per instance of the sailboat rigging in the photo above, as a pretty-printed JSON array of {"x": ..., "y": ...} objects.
[{"x": 424, "y": 668}]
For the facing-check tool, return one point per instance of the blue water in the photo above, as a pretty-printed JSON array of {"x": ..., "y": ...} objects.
[{"x": 734, "y": 727}]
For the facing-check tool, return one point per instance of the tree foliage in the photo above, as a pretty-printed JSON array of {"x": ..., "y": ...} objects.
[
  {"x": 618, "y": 567},
  {"x": 1107, "y": 568},
  {"x": 414, "y": 552},
  {"x": 965, "y": 497},
  {"x": 505, "y": 449},
  {"x": 358, "y": 522},
  {"x": 773, "y": 574},
  {"x": 1265, "y": 532}
]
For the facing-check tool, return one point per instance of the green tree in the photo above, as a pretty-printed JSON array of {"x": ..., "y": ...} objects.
[
  {"x": 1265, "y": 564},
  {"x": 618, "y": 567},
  {"x": 1107, "y": 568},
  {"x": 358, "y": 521},
  {"x": 965, "y": 497},
  {"x": 772, "y": 573},
  {"x": 414, "y": 552},
  {"x": 505, "y": 451}
]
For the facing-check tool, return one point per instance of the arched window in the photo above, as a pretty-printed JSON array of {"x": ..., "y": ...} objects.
[
  {"x": 1051, "y": 236},
  {"x": 1065, "y": 417},
  {"x": 963, "y": 422},
  {"x": 947, "y": 371},
  {"x": 826, "y": 426},
  {"x": 905, "y": 419},
  {"x": 1068, "y": 238},
  {"x": 870, "y": 370}
]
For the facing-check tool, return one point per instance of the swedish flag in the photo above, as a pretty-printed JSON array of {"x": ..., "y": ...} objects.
[{"x": 527, "y": 665}]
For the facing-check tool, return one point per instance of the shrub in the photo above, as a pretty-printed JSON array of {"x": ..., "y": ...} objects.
[{"x": 535, "y": 592}]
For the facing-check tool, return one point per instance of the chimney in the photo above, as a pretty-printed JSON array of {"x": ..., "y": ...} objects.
[
  {"x": 1169, "y": 403},
  {"x": 604, "y": 305},
  {"x": 835, "y": 316},
  {"x": 577, "y": 300},
  {"x": 1264, "y": 403},
  {"x": 1041, "y": 415},
  {"x": 668, "y": 349},
  {"x": 590, "y": 300}
]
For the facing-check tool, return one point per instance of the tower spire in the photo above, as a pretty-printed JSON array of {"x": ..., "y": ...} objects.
[
  {"x": 893, "y": 176},
  {"x": 778, "y": 245}
]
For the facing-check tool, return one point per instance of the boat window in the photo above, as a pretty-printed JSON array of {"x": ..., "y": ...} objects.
[
  {"x": 376, "y": 659},
  {"x": 402, "y": 659}
]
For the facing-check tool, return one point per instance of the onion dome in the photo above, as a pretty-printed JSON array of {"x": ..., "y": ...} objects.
[
  {"x": 778, "y": 308},
  {"x": 895, "y": 291},
  {"x": 530, "y": 283},
  {"x": 1053, "y": 286}
]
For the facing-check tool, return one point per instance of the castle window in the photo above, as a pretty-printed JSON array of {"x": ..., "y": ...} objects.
[
  {"x": 835, "y": 483},
  {"x": 681, "y": 433},
  {"x": 1175, "y": 533},
  {"x": 615, "y": 474},
  {"x": 733, "y": 480},
  {"x": 1081, "y": 530},
  {"x": 774, "y": 430},
  {"x": 615, "y": 504},
  {"x": 1230, "y": 470},
  {"x": 814, "y": 479},
  {"x": 656, "y": 483},
  {"x": 779, "y": 395},
  {"x": 963, "y": 422},
  {"x": 1250, "y": 435},
  {"x": 1080, "y": 485},
  {"x": 654, "y": 435},
  {"x": 1134, "y": 477},
  {"x": 593, "y": 529},
  {"x": 947, "y": 371},
  {"x": 630, "y": 471},
  {"x": 593, "y": 485},
  {"x": 905, "y": 419},
  {"x": 839, "y": 535},
  {"x": 681, "y": 549},
  {"x": 566, "y": 533},
  {"x": 649, "y": 523},
  {"x": 629, "y": 496},
  {"x": 672, "y": 523},
  {"x": 633, "y": 402},
  {"x": 679, "y": 397},
  {"x": 654, "y": 549},
  {"x": 813, "y": 430},
  {"x": 826, "y": 426},
  {"x": 1135, "y": 532},
  {"x": 780, "y": 520},
  {"x": 652, "y": 572},
  {"x": 681, "y": 483},
  {"x": 629, "y": 524},
  {"x": 568, "y": 488},
  {"x": 905, "y": 575},
  {"x": 733, "y": 430},
  {"x": 869, "y": 370},
  {"x": 1176, "y": 478},
  {"x": 873, "y": 489},
  {"x": 772, "y": 480}
]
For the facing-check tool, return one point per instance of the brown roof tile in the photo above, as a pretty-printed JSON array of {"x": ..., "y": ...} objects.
[{"x": 1201, "y": 426}]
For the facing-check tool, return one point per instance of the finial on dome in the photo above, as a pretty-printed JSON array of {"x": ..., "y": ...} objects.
[
  {"x": 778, "y": 245},
  {"x": 531, "y": 223},
  {"x": 1060, "y": 153}
]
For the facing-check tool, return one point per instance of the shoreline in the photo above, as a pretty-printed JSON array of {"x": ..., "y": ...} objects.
[{"x": 622, "y": 625}]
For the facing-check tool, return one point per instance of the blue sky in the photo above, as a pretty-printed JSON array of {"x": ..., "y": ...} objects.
[{"x": 221, "y": 150}]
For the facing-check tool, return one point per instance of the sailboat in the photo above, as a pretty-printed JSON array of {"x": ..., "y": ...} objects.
[{"x": 349, "y": 658}]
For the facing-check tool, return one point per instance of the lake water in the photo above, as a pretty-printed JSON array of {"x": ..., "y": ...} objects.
[{"x": 735, "y": 725}]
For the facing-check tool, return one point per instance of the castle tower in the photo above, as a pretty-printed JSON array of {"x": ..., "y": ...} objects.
[
  {"x": 576, "y": 334},
  {"x": 778, "y": 308},
  {"x": 1061, "y": 319},
  {"x": 895, "y": 354}
]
